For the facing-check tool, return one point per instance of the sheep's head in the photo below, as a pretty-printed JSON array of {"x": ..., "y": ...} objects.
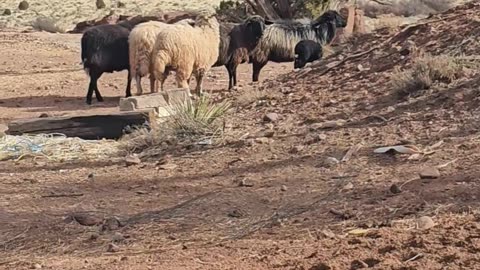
[
  {"x": 206, "y": 20},
  {"x": 255, "y": 26},
  {"x": 299, "y": 62},
  {"x": 333, "y": 17}
]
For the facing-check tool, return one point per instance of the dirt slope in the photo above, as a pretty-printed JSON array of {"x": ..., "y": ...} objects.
[{"x": 297, "y": 207}]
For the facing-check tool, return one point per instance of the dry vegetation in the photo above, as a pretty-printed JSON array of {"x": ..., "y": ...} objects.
[
  {"x": 425, "y": 71},
  {"x": 191, "y": 121}
]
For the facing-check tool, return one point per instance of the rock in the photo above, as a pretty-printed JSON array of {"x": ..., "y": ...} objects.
[
  {"x": 395, "y": 189},
  {"x": 348, "y": 186},
  {"x": 36, "y": 266},
  {"x": 167, "y": 166},
  {"x": 118, "y": 237},
  {"x": 244, "y": 183},
  {"x": 132, "y": 160},
  {"x": 262, "y": 140},
  {"x": 331, "y": 161},
  {"x": 100, "y": 4},
  {"x": 7, "y": 12},
  {"x": 93, "y": 236},
  {"x": 113, "y": 248},
  {"x": 322, "y": 137},
  {"x": 86, "y": 219},
  {"x": 121, "y": 4},
  {"x": 90, "y": 176},
  {"x": 23, "y": 5},
  {"x": 44, "y": 115},
  {"x": 297, "y": 149},
  {"x": 429, "y": 173},
  {"x": 111, "y": 224},
  {"x": 284, "y": 188},
  {"x": 271, "y": 117},
  {"x": 425, "y": 223}
]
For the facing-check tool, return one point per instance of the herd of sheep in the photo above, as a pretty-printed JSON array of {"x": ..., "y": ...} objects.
[{"x": 192, "y": 47}]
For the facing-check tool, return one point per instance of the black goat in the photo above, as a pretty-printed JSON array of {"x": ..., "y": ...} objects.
[
  {"x": 236, "y": 43},
  {"x": 307, "y": 51},
  {"x": 104, "y": 48},
  {"x": 279, "y": 38}
]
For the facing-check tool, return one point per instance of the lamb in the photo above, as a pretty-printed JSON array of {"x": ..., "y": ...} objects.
[
  {"x": 187, "y": 50},
  {"x": 141, "y": 41},
  {"x": 236, "y": 43},
  {"x": 104, "y": 48},
  {"x": 307, "y": 51},
  {"x": 279, "y": 38}
]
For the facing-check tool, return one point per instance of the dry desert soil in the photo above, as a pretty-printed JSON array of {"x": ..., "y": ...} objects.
[{"x": 295, "y": 193}]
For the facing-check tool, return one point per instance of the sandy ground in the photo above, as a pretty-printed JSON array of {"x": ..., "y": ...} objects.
[
  {"x": 65, "y": 14},
  {"x": 276, "y": 199}
]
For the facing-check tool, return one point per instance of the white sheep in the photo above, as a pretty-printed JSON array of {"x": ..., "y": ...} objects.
[
  {"x": 187, "y": 50},
  {"x": 141, "y": 42}
]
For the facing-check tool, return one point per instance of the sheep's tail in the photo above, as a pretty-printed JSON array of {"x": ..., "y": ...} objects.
[{"x": 84, "y": 55}]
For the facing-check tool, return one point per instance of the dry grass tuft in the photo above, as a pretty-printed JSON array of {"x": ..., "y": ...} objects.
[
  {"x": 189, "y": 121},
  {"x": 425, "y": 71}
]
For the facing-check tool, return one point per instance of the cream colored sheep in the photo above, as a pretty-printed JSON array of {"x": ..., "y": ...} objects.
[
  {"x": 141, "y": 42},
  {"x": 187, "y": 50}
]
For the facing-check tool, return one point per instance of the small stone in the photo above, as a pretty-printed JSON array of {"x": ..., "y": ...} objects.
[
  {"x": 100, "y": 4},
  {"x": 111, "y": 224},
  {"x": 87, "y": 219},
  {"x": 328, "y": 233},
  {"x": 322, "y": 137},
  {"x": 348, "y": 186},
  {"x": 167, "y": 166},
  {"x": 23, "y": 5},
  {"x": 263, "y": 140},
  {"x": 244, "y": 183},
  {"x": 297, "y": 149},
  {"x": 44, "y": 115},
  {"x": 7, "y": 12},
  {"x": 121, "y": 4},
  {"x": 429, "y": 173},
  {"x": 132, "y": 160},
  {"x": 331, "y": 161},
  {"x": 118, "y": 237},
  {"x": 271, "y": 117},
  {"x": 395, "y": 189},
  {"x": 113, "y": 248},
  {"x": 284, "y": 188},
  {"x": 425, "y": 223},
  {"x": 90, "y": 176},
  {"x": 93, "y": 236}
]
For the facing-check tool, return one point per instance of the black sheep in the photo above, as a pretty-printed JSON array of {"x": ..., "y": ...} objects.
[
  {"x": 105, "y": 49},
  {"x": 280, "y": 37},
  {"x": 236, "y": 43},
  {"x": 307, "y": 51}
]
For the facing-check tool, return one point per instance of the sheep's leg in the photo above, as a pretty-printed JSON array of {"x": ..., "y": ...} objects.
[
  {"x": 138, "y": 80},
  {"x": 230, "y": 76},
  {"x": 257, "y": 66},
  {"x": 129, "y": 85},
  {"x": 153, "y": 85},
  {"x": 199, "y": 75},
  {"x": 91, "y": 87},
  {"x": 183, "y": 77},
  {"x": 94, "y": 76}
]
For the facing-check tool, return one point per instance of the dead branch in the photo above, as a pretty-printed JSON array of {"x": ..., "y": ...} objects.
[{"x": 62, "y": 195}]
